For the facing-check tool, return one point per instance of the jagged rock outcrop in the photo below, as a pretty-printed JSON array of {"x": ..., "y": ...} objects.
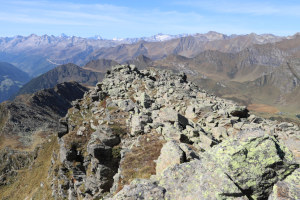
[{"x": 151, "y": 134}]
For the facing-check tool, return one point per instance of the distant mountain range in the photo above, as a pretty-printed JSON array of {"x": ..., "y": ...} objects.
[
  {"x": 249, "y": 68},
  {"x": 261, "y": 73},
  {"x": 39, "y": 54},
  {"x": 189, "y": 46}
]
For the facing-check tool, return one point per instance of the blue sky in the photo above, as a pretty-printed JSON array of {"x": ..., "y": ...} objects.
[{"x": 136, "y": 18}]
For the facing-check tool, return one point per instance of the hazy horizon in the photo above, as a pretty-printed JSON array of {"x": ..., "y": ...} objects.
[
  {"x": 133, "y": 19},
  {"x": 143, "y": 36}
]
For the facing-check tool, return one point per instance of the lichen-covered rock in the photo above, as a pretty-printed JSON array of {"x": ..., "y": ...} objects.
[
  {"x": 288, "y": 188},
  {"x": 254, "y": 162},
  {"x": 243, "y": 168},
  {"x": 196, "y": 180}
]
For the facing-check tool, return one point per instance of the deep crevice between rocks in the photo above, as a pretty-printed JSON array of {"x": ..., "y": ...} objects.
[{"x": 246, "y": 193}]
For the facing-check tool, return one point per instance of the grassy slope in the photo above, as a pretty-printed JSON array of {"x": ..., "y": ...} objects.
[{"x": 28, "y": 181}]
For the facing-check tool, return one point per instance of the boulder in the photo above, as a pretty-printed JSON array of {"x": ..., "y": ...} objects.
[
  {"x": 288, "y": 188},
  {"x": 197, "y": 181},
  {"x": 190, "y": 112},
  {"x": 170, "y": 132},
  {"x": 145, "y": 100},
  {"x": 170, "y": 115},
  {"x": 138, "y": 122},
  {"x": 239, "y": 111},
  {"x": 219, "y": 133},
  {"x": 254, "y": 162},
  {"x": 127, "y": 105},
  {"x": 190, "y": 154},
  {"x": 106, "y": 136},
  {"x": 170, "y": 155}
]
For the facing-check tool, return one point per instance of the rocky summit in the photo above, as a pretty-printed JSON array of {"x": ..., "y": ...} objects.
[{"x": 151, "y": 134}]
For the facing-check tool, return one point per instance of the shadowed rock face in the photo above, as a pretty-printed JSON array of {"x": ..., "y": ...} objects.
[{"x": 40, "y": 111}]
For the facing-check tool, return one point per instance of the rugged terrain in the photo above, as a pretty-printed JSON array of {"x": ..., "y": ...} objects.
[
  {"x": 38, "y": 54},
  {"x": 29, "y": 121},
  {"x": 152, "y": 134},
  {"x": 249, "y": 68},
  {"x": 261, "y": 74}
]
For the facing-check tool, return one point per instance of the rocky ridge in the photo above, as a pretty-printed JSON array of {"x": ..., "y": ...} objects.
[
  {"x": 151, "y": 134},
  {"x": 63, "y": 73},
  {"x": 27, "y": 122},
  {"x": 40, "y": 111}
]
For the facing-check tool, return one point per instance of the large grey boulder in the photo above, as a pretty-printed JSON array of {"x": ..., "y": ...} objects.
[
  {"x": 170, "y": 115},
  {"x": 170, "y": 155},
  {"x": 254, "y": 162},
  {"x": 196, "y": 180},
  {"x": 138, "y": 122}
]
